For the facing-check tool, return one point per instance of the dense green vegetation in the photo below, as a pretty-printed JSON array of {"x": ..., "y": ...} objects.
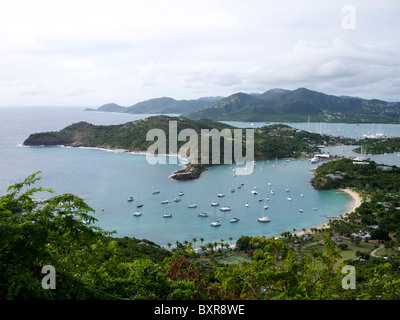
[
  {"x": 362, "y": 175},
  {"x": 297, "y": 106},
  {"x": 91, "y": 264},
  {"x": 162, "y": 105},
  {"x": 379, "y": 146},
  {"x": 270, "y": 141},
  {"x": 273, "y": 105},
  {"x": 379, "y": 214},
  {"x": 283, "y": 141}
]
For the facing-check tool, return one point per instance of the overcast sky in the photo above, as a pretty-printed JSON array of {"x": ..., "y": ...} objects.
[{"x": 88, "y": 53}]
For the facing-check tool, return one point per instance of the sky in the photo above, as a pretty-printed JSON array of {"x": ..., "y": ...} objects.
[{"x": 88, "y": 53}]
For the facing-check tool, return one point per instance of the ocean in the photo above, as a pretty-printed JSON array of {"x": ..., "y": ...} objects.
[{"x": 106, "y": 179}]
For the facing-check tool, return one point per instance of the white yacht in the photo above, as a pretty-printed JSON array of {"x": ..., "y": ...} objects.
[
  {"x": 203, "y": 214},
  {"x": 137, "y": 214},
  {"x": 264, "y": 219},
  {"x": 130, "y": 199},
  {"x": 234, "y": 220},
  {"x": 192, "y": 205},
  {"x": 215, "y": 204},
  {"x": 164, "y": 202},
  {"x": 254, "y": 192},
  {"x": 314, "y": 160},
  {"x": 167, "y": 215},
  {"x": 221, "y": 195},
  {"x": 177, "y": 199},
  {"x": 215, "y": 224},
  {"x": 225, "y": 208}
]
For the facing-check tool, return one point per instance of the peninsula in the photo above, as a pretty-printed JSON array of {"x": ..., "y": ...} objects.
[{"x": 270, "y": 142}]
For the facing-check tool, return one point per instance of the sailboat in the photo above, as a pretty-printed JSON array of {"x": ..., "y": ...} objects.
[
  {"x": 164, "y": 202},
  {"x": 263, "y": 218},
  {"x": 177, "y": 199},
  {"x": 215, "y": 224},
  {"x": 155, "y": 190},
  {"x": 166, "y": 214},
  {"x": 139, "y": 204},
  {"x": 203, "y": 214}
]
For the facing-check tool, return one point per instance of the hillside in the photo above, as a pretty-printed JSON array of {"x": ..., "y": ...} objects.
[
  {"x": 297, "y": 106},
  {"x": 270, "y": 142},
  {"x": 164, "y": 105}
]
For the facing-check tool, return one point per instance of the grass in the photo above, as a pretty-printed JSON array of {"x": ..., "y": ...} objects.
[
  {"x": 388, "y": 252},
  {"x": 349, "y": 252},
  {"x": 235, "y": 258}
]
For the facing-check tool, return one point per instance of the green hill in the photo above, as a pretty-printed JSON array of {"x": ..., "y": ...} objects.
[
  {"x": 164, "y": 105},
  {"x": 297, "y": 106},
  {"x": 270, "y": 142}
]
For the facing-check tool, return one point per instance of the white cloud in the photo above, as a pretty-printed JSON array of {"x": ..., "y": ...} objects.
[{"x": 92, "y": 52}]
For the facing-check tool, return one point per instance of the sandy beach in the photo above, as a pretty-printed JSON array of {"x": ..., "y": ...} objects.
[{"x": 355, "y": 202}]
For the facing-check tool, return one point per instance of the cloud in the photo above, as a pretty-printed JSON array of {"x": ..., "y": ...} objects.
[{"x": 92, "y": 52}]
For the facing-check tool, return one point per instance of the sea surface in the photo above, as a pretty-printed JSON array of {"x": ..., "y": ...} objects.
[{"x": 106, "y": 179}]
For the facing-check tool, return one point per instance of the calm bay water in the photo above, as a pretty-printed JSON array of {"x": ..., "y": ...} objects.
[{"x": 107, "y": 178}]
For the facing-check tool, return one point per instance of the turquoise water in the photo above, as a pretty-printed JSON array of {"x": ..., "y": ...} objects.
[{"x": 107, "y": 178}]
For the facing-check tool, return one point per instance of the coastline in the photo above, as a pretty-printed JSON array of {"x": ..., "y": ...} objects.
[{"x": 355, "y": 202}]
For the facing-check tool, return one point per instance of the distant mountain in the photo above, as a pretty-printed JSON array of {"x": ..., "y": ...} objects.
[
  {"x": 109, "y": 107},
  {"x": 164, "y": 105},
  {"x": 296, "y": 106}
]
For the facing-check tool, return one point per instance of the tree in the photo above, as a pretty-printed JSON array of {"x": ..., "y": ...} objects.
[{"x": 34, "y": 234}]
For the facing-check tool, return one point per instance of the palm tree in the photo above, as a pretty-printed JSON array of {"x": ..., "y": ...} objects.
[
  {"x": 202, "y": 240},
  {"x": 194, "y": 240}
]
